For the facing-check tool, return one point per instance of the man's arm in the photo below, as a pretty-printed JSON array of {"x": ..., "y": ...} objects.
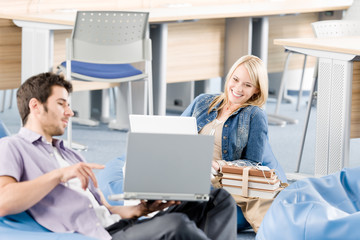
[
  {"x": 16, "y": 197},
  {"x": 142, "y": 209}
]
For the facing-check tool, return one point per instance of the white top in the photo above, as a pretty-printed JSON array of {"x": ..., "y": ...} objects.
[{"x": 105, "y": 217}]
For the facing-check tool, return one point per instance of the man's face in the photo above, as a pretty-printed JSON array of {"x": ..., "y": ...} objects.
[{"x": 55, "y": 113}]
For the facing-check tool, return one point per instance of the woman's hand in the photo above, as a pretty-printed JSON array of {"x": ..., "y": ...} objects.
[{"x": 215, "y": 165}]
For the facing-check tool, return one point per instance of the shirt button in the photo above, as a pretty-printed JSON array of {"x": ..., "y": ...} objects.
[
  {"x": 225, "y": 151},
  {"x": 51, "y": 154},
  {"x": 98, "y": 224},
  {"x": 90, "y": 206}
]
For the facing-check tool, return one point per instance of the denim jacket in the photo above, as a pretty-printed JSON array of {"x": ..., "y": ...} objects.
[{"x": 244, "y": 135}]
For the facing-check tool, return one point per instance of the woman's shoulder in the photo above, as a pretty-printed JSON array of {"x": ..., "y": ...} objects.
[
  {"x": 256, "y": 112},
  {"x": 255, "y": 109},
  {"x": 206, "y": 96}
]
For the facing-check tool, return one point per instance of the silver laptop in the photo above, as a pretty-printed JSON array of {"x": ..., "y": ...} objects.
[
  {"x": 163, "y": 124},
  {"x": 167, "y": 167}
]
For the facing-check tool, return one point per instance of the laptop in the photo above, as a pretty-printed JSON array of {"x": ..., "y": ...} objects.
[
  {"x": 163, "y": 124},
  {"x": 167, "y": 167}
]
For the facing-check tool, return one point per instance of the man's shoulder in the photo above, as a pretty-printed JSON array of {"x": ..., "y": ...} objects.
[{"x": 11, "y": 140}]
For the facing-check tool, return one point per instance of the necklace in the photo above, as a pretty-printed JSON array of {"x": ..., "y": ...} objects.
[{"x": 214, "y": 126}]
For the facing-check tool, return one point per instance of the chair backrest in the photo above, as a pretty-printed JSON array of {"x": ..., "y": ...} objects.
[
  {"x": 353, "y": 12},
  {"x": 336, "y": 28},
  {"x": 110, "y": 37},
  {"x": 3, "y": 130}
]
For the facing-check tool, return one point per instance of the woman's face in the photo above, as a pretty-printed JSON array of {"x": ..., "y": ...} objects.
[{"x": 240, "y": 88}]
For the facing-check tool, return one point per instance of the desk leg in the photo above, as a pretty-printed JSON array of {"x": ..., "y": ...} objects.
[
  {"x": 333, "y": 116},
  {"x": 37, "y": 51},
  {"x": 159, "y": 35},
  {"x": 238, "y": 40}
]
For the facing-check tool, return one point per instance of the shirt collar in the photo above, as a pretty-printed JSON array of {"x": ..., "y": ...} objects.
[{"x": 32, "y": 137}]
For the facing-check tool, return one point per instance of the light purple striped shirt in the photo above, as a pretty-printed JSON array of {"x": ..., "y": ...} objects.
[{"x": 26, "y": 156}]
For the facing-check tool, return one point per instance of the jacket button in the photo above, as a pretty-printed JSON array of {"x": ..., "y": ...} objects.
[
  {"x": 224, "y": 137},
  {"x": 225, "y": 151},
  {"x": 225, "y": 125}
]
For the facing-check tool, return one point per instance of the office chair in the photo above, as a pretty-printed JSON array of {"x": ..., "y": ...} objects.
[
  {"x": 326, "y": 29},
  {"x": 104, "y": 46}
]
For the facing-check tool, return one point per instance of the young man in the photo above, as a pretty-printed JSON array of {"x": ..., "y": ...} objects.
[{"x": 54, "y": 184}]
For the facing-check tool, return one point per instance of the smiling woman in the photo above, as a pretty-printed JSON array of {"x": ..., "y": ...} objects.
[{"x": 237, "y": 120}]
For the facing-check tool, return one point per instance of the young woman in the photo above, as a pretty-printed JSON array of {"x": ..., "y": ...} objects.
[{"x": 236, "y": 118}]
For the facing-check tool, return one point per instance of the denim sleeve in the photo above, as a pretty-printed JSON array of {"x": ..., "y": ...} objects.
[
  {"x": 257, "y": 137},
  {"x": 190, "y": 109}
]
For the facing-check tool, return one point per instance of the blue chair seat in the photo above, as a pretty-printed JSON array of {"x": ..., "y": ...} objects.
[{"x": 106, "y": 71}]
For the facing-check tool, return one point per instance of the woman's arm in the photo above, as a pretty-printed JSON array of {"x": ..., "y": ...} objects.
[{"x": 258, "y": 137}]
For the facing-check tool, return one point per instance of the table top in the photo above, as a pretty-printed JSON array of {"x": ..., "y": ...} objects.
[
  {"x": 189, "y": 12},
  {"x": 348, "y": 45}
]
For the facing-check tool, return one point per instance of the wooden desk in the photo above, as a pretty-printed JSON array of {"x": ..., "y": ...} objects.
[
  {"x": 189, "y": 43},
  {"x": 338, "y": 97}
]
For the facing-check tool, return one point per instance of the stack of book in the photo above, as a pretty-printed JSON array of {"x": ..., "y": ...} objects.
[{"x": 259, "y": 183}]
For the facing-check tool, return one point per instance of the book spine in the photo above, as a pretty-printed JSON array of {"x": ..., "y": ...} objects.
[
  {"x": 239, "y": 177},
  {"x": 252, "y": 172},
  {"x": 252, "y": 193},
  {"x": 255, "y": 185}
]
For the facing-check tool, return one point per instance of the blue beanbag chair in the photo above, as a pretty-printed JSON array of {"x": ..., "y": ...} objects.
[
  {"x": 22, "y": 226},
  {"x": 316, "y": 208},
  {"x": 110, "y": 179}
]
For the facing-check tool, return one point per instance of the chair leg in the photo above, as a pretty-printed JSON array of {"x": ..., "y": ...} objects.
[
  {"x": 121, "y": 107},
  {"x": 308, "y": 112},
  {"x": 129, "y": 100},
  {"x": 114, "y": 98},
  {"x": 282, "y": 84},
  {"x": 276, "y": 119},
  {"x": 150, "y": 94},
  {"x": 105, "y": 106},
  {"x": 301, "y": 84}
]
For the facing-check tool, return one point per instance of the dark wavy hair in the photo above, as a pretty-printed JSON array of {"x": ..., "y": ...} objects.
[{"x": 39, "y": 87}]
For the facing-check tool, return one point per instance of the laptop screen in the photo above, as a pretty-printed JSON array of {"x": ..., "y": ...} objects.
[
  {"x": 168, "y": 166},
  {"x": 163, "y": 124}
]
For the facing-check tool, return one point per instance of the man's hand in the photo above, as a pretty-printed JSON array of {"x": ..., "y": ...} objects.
[
  {"x": 142, "y": 209},
  {"x": 146, "y": 207},
  {"x": 82, "y": 171}
]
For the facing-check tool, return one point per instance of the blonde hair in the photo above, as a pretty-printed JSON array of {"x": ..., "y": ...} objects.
[{"x": 258, "y": 77}]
